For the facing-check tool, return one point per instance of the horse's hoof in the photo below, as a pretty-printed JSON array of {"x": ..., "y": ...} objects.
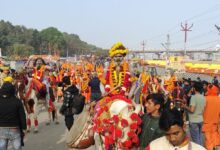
[
  {"x": 57, "y": 122},
  {"x": 28, "y": 131},
  {"x": 35, "y": 131},
  {"x": 48, "y": 123}
]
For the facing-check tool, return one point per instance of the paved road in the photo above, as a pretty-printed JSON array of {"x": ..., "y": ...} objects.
[{"x": 50, "y": 137}]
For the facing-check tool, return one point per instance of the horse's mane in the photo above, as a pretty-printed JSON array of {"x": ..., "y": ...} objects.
[{"x": 20, "y": 85}]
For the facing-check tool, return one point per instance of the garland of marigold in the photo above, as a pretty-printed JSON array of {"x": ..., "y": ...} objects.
[
  {"x": 103, "y": 122},
  {"x": 117, "y": 48},
  {"x": 117, "y": 80},
  {"x": 41, "y": 72},
  {"x": 85, "y": 84}
]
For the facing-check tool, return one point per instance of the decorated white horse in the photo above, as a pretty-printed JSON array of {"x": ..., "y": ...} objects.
[
  {"x": 115, "y": 125},
  {"x": 36, "y": 95}
]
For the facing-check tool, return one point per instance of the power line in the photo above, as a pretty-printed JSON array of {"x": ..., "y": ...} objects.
[
  {"x": 201, "y": 35},
  {"x": 208, "y": 47},
  {"x": 201, "y": 44},
  {"x": 163, "y": 34},
  {"x": 177, "y": 34},
  {"x": 210, "y": 18},
  {"x": 216, "y": 7},
  {"x": 177, "y": 42},
  {"x": 218, "y": 28}
]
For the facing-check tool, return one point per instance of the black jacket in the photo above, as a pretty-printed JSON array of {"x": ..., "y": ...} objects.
[
  {"x": 68, "y": 94},
  {"x": 72, "y": 89},
  {"x": 94, "y": 83},
  {"x": 12, "y": 112}
]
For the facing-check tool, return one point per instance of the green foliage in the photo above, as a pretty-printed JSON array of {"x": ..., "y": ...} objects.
[
  {"x": 21, "y": 50},
  {"x": 53, "y": 39},
  {"x": 18, "y": 40}
]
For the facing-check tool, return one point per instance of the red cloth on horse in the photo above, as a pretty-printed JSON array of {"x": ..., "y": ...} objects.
[{"x": 34, "y": 84}]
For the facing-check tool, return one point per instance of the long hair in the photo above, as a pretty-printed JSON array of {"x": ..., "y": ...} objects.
[{"x": 39, "y": 58}]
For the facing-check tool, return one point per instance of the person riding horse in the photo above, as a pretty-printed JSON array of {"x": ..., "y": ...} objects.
[
  {"x": 38, "y": 75},
  {"x": 117, "y": 75},
  {"x": 39, "y": 95}
]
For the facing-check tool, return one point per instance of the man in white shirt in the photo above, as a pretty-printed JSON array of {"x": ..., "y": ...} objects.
[{"x": 172, "y": 123}]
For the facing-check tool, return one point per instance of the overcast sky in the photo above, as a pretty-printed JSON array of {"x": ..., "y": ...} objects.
[{"x": 104, "y": 22}]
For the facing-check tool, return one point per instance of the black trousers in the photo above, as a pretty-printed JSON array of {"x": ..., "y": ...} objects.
[{"x": 69, "y": 121}]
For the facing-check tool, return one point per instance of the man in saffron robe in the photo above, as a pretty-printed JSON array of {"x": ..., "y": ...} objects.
[
  {"x": 211, "y": 118},
  {"x": 117, "y": 75},
  {"x": 37, "y": 82}
]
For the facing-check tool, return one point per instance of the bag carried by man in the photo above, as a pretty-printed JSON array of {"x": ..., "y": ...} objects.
[
  {"x": 72, "y": 104},
  {"x": 78, "y": 103}
]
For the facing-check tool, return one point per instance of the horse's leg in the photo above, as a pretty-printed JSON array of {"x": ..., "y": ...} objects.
[
  {"x": 55, "y": 104},
  {"x": 46, "y": 105},
  {"x": 36, "y": 112},
  {"x": 30, "y": 112},
  {"x": 55, "y": 111},
  {"x": 28, "y": 122},
  {"x": 49, "y": 114},
  {"x": 55, "y": 115},
  {"x": 60, "y": 99},
  {"x": 27, "y": 107}
]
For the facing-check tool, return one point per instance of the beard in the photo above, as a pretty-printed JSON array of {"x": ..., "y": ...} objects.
[{"x": 38, "y": 67}]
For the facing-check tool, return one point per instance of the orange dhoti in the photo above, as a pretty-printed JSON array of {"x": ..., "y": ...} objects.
[
  {"x": 211, "y": 122},
  {"x": 87, "y": 95},
  {"x": 212, "y": 136}
]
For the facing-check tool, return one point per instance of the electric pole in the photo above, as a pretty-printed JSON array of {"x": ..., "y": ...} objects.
[
  {"x": 218, "y": 28},
  {"x": 143, "y": 45},
  {"x": 168, "y": 44},
  {"x": 186, "y": 29},
  {"x": 217, "y": 47}
]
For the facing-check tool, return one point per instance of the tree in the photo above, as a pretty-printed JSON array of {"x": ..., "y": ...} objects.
[
  {"x": 53, "y": 39},
  {"x": 16, "y": 40},
  {"x": 36, "y": 41},
  {"x": 21, "y": 50}
]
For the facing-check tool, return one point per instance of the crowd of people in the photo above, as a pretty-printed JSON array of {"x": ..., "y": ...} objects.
[{"x": 176, "y": 113}]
